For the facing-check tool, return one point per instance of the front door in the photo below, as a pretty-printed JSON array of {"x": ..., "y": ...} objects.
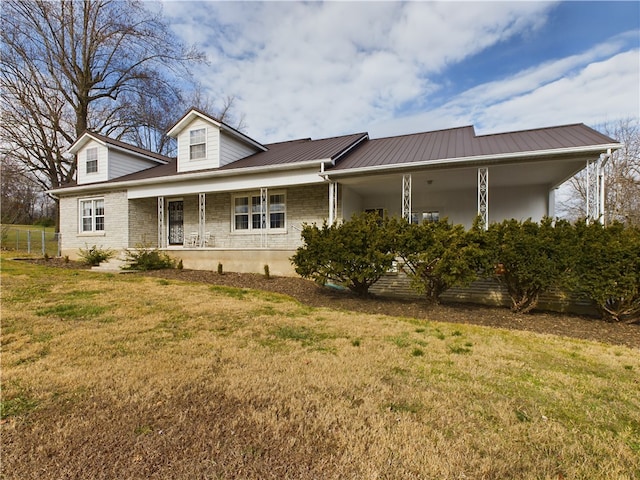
[{"x": 176, "y": 222}]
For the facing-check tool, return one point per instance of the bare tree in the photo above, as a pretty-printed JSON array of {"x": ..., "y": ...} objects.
[
  {"x": 69, "y": 66},
  {"x": 20, "y": 195},
  {"x": 622, "y": 178}
]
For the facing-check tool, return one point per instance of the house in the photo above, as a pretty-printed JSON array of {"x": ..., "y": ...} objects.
[{"x": 226, "y": 198}]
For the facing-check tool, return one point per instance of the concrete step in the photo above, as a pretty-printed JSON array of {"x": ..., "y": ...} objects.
[{"x": 113, "y": 265}]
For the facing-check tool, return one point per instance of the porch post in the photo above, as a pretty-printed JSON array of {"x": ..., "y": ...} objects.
[
  {"x": 406, "y": 197},
  {"x": 161, "y": 243},
  {"x": 201, "y": 216},
  {"x": 333, "y": 202},
  {"x": 551, "y": 207},
  {"x": 264, "y": 197},
  {"x": 593, "y": 191},
  {"x": 483, "y": 196}
]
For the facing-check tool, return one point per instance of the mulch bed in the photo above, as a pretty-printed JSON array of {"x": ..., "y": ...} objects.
[{"x": 309, "y": 293}]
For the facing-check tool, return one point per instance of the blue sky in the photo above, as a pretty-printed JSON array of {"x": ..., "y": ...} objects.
[{"x": 317, "y": 69}]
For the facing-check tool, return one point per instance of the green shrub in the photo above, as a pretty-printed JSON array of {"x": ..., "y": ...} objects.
[
  {"x": 607, "y": 269},
  {"x": 353, "y": 253},
  {"x": 95, "y": 255},
  {"x": 144, "y": 257},
  {"x": 529, "y": 258},
  {"x": 438, "y": 255}
]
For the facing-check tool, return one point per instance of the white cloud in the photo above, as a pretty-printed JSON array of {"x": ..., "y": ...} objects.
[
  {"x": 320, "y": 69},
  {"x": 572, "y": 90}
]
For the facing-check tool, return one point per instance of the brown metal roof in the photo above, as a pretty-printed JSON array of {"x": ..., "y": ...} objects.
[
  {"x": 299, "y": 151},
  {"x": 358, "y": 151},
  {"x": 463, "y": 142},
  {"x": 292, "y": 152}
]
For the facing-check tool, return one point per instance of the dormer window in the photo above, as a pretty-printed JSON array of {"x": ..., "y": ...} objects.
[
  {"x": 197, "y": 145},
  {"x": 92, "y": 160}
]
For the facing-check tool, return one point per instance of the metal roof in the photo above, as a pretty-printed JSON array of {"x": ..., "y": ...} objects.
[{"x": 459, "y": 143}]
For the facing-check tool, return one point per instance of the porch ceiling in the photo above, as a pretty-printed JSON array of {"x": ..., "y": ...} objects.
[{"x": 549, "y": 173}]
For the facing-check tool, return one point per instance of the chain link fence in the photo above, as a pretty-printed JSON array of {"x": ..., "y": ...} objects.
[{"x": 31, "y": 240}]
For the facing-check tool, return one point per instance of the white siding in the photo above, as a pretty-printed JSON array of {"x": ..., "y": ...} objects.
[
  {"x": 212, "y": 159},
  {"x": 102, "y": 174},
  {"x": 232, "y": 149},
  {"x": 122, "y": 164}
]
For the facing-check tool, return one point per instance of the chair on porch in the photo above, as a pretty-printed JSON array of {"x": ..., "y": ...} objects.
[
  {"x": 204, "y": 242},
  {"x": 192, "y": 241}
]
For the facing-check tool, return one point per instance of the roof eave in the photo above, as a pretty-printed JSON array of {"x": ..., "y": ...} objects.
[
  {"x": 460, "y": 161},
  {"x": 190, "y": 176}
]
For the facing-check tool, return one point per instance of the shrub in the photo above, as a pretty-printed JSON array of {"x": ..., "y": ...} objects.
[
  {"x": 267, "y": 273},
  {"x": 95, "y": 255},
  {"x": 607, "y": 269},
  {"x": 438, "y": 255},
  {"x": 529, "y": 258},
  {"x": 220, "y": 272},
  {"x": 353, "y": 253},
  {"x": 144, "y": 258}
]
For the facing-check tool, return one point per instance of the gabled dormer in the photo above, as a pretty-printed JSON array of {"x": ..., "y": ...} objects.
[
  {"x": 102, "y": 158},
  {"x": 204, "y": 142}
]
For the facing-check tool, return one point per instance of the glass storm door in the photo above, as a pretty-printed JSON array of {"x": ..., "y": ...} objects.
[{"x": 176, "y": 223}]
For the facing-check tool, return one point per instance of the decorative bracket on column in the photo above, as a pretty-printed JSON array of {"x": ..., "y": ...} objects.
[
  {"x": 483, "y": 196},
  {"x": 161, "y": 243},
  {"x": 333, "y": 202},
  {"x": 202, "y": 199},
  {"x": 264, "y": 197},
  {"x": 406, "y": 197}
]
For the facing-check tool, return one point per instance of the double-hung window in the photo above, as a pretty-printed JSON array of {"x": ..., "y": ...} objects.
[
  {"x": 248, "y": 212},
  {"x": 92, "y": 160},
  {"x": 197, "y": 144},
  {"x": 92, "y": 215}
]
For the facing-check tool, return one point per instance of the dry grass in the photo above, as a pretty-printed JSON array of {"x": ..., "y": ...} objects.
[{"x": 129, "y": 377}]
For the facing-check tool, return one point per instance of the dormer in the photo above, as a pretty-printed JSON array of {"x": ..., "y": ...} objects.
[
  {"x": 101, "y": 158},
  {"x": 204, "y": 142}
]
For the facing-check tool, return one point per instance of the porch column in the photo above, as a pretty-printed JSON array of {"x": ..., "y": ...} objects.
[
  {"x": 161, "y": 243},
  {"x": 333, "y": 202},
  {"x": 595, "y": 189},
  {"x": 406, "y": 197},
  {"x": 551, "y": 206},
  {"x": 483, "y": 196},
  {"x": 264, "y": 197},
  {"x": 201, "y": 216}
]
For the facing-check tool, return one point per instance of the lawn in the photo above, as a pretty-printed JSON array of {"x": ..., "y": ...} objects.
[{"x": 117, "y": 376}]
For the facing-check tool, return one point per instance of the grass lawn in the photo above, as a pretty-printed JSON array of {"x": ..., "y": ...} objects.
[{"x": 115, "y": 376}]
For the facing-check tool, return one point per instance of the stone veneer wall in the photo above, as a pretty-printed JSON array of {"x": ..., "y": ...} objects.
[{"x": 143, "y": 222}]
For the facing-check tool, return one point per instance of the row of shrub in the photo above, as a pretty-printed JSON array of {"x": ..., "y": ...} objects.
[{"x": 527, "y": 257}]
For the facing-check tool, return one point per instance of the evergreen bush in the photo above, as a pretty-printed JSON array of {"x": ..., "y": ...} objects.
[
  {"x": 529, "y": 258},
  {"x": 353, "y": 253},
  {"x": 607, "y": 269},
  {"x": 95, "y": 255},
  {"x": 439, "y": 255},
  {"x": 144, "y": 257}
]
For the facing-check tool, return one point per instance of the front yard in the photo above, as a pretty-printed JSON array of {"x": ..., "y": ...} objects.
[{"x": 129, "y": 376}]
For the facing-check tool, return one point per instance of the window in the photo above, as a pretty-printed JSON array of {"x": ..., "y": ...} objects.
[
  {"x": 92, "y": 160},
  {"x": 429, "y": 217},
  {"x": 92, "y": 215},
  {"x": 276, "y": 211},
  {"x": 247, "y": 212},
  {"x": 197, "y": 145}
]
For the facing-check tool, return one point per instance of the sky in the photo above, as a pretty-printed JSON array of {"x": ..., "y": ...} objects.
[{"x": 322, "y": 69}]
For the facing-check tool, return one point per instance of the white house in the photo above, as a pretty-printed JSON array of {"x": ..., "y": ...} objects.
[{"x": 229, "y": 199}]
